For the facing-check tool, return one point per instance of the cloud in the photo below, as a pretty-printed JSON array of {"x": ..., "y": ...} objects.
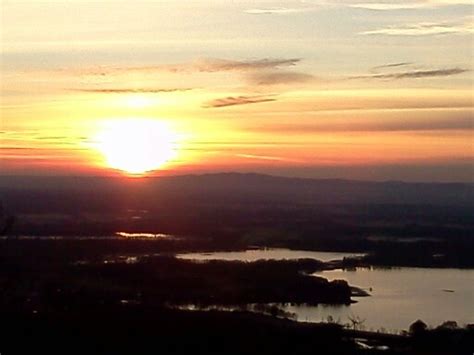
[
  {"x": 407, "y": 5},
  {"x": 274, "y": 10},
  {"x": 381, "y": 5},
  {"x": 217, "y": 65},
  {"x": 264, "y": 71},
  {"x": 424, "y": 29},
  {"x": 52, "y": 138},
  {"x": 266, "y": 157},
  {"x": 238, "y": 100},
  {"x": 205, "y": 65},
  {"x": 456, "y": 123},
  {"x": 258, "y": 72},
  {"x": 391, "y": 65},
  {"x": 16, "y": 148},
  {"x": 414, "y": 74},
  {"x": 133, "y": 91},
  {"x": 279, "y": 77}
]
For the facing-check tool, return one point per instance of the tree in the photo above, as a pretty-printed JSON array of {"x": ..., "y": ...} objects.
[
  {"x": 418, "y": 327},
  {"x": 357, "y": 323},
  {"x": 450, "y": 324}
]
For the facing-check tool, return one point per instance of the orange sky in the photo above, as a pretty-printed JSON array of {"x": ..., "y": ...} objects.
[{"x": 342, "y": 89}]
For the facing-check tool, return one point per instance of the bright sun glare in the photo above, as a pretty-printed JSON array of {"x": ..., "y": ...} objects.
[{"x": 137, "y": 146}]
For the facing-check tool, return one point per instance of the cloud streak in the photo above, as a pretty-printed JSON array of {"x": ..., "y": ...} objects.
[
  {"x": 391, "y": 65},
  {"x": 382, "y": 6},
  {"x": 424, "y": 29},
  {"x": 266, "y": 157},
  {"x": 264, "y": 71},
  {"x": 407, "y": 5},
  {"x": 389, "y": 5},
  {"x": 279, "y": 77},
  {"x": 133, "y": 91},
  {"x": 461, "y": 123},
  {"x": 205, "y": 65},
  {"x": 211, "y": 65},
  {"x": 238, "y": 100},
  {"x": 274, "y": 11},
  {"x": 414, "y": 74}
]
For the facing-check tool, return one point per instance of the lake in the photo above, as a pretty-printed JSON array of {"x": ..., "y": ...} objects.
[
  {"x": 116, "y": 236},
  {"x": 399, "y": 296},
  {"x": 266, "y": 254}
]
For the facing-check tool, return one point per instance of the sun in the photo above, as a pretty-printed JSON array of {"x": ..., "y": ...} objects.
[{"x": 137, "y": 146}]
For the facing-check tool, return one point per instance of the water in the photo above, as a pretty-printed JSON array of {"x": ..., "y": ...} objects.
[
  {"x": 266, "y": 254},
  {"x": 399, "y": 297},
  {"x": 117, "y": 236}
]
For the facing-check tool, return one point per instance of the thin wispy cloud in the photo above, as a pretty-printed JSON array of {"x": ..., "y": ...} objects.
[
  {"x": 407, "y": 5},
  {"x": 456, "y": 123},
  {"x": 133, "y": 91},
  {"x": 279, "y": 77},
  {"x": 391, "y": 65},
  {"x": 53, "y": 138},
  {"x": 266, "y": 157},
  {"x": 274, "y": 10},
  {"x": 424, "y": 29},
  {"x": 204, "y": 65},
  {"x": 382, "y": 6},
  {"x": 238, "y": 100},
  {"x": 211, "y": 65},
  {"x": 389, "y": 5},
  {"x": 414, "y": 74},
  {"x": 6, "y": 148},
  {"x": 264, "y": 72},
  {"x": 215, "y": 65}
]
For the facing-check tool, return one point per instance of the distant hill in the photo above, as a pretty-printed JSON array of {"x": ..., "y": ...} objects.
[
  {"x": 237, "y": 205},
  {"x": 250, "y": 187}
]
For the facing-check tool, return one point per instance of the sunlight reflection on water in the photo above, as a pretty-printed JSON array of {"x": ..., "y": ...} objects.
[
  {"x": 116, "y": 236},
  {"x": 399, "y": 296},
  {"x": 143, "y": 235},
  {"x": 267, "y": 254}
]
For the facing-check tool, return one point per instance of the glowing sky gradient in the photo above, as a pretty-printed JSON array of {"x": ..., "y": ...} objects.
[{"x": 377, "y": 90}]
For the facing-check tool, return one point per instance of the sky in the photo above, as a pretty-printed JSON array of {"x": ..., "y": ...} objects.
[{"x": 352, "y": 89}]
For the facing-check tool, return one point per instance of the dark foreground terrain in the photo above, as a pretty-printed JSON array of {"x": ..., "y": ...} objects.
[
  {"x": 131, "y": 296},
  {"x": 85, "y": 297},
  {"x": 138, "y": 330},
  {"x": 39, "y": 275}
]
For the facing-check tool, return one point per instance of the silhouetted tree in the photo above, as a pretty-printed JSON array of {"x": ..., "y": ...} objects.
[
  {"x": 450, "y": 324},
  {"x": 6, "y": 222},
  {"x": 357, "y": 323},
  {"x": 418, "y": 327}
]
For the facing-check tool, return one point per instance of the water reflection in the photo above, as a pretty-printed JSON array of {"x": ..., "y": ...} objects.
[
  {"x": 399, "y": 297},
  {"x": 117, "y": 236},
  {"x": 270, "y": 309},
  {"x": 114, "y": 259},
  {"x": 122, "y": 259},
  {"x": 267, "y": 254},
  {"x": 143, "y": 235}
]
